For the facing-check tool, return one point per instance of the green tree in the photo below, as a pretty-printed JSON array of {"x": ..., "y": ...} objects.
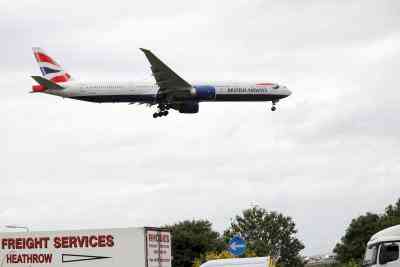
[
  {"x": 393, "y": 210},
  {"x": 191, "y": 239},
  {"x": 360, "y": 230},
  {"x": 268, "y": 234},
  {"x": 391, "y": 216},
  {"x": 353, "y": 243}
]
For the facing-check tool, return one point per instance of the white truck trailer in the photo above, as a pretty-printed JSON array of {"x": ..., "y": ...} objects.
[
  {"x": 120, "y": 247},
  {"x": 383, "y": 248}
]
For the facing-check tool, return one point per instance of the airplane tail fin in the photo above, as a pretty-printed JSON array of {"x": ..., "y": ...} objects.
[{"x": 50, "y": 69}]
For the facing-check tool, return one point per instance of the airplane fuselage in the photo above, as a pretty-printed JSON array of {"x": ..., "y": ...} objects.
[
  {"x": 170, "y": 91},
  {"x": 104, "y": 92}
]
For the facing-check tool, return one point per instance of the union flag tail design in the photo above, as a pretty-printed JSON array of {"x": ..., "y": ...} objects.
[{"x": 50, "y": 69}]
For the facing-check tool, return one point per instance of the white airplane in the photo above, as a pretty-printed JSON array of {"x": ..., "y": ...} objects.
[{"x": 169, "y": 92}]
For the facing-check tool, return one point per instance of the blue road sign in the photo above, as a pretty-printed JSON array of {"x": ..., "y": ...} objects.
[{"x": 237, "y": 246}]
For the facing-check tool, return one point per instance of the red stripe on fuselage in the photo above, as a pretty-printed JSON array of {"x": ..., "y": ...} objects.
[
  {"x": 44, "y": 58},
  {"x": 265, "y": 84}
]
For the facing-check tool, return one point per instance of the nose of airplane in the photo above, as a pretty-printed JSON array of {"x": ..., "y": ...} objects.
[{"x": 287, "y": 91}]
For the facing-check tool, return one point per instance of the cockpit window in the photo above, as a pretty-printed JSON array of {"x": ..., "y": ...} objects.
[
  {"x": 275, "y": 86},
  {"x": 370, "y": 256}
]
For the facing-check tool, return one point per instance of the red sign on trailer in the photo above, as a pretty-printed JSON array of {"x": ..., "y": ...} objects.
[{"x": 147, "y": 247}]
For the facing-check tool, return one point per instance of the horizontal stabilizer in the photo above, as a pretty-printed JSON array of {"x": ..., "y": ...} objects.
[{"x": 47, "y": 83}]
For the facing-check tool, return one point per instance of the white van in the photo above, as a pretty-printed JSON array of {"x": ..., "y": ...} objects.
[
  {"x": 241, "y": 262},
  {"x": 383, "y": 248}
]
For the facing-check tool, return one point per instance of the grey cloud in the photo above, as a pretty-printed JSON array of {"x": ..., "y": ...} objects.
[{"x": 330, "y": 147}]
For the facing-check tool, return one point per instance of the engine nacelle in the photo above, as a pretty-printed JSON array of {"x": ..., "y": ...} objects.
[
  {"x": 203, "y": 92},
  {"x": 189, "y": 107}
]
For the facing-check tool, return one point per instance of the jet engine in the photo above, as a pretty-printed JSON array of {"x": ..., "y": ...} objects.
[
  {"x": 189, "y": 107},
  {"x": 203, "y": 92}
]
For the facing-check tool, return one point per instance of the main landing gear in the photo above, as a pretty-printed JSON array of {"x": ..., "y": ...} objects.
[
  {"x": 162, "y": 111},
  {"x": 160, "y": 114}
]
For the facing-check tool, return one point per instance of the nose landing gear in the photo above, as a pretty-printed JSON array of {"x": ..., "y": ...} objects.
[
  {"x": 273, "y": 108},
  {"x": 162, "y": 111}
]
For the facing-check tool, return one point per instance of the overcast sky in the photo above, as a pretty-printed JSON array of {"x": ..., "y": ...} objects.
[{"x": 329, "y": 153}]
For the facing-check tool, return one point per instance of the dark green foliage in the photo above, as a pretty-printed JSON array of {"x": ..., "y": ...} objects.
[
  {"x": 268, "y": 234},
  {"x": 391, "y": 216},
  {"x": 353, "y": 243},
  {"x": 190, "y": 239},
  {"x": 360, "y": 230}
]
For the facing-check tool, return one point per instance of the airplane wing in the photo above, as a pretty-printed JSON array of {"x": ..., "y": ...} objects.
[{"x": 167, "y": 80}]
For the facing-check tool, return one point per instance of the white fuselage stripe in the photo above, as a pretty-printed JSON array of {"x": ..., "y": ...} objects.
[{"x": 250, "y": 91}]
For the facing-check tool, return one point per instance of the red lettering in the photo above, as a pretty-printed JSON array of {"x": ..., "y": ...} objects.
[
  {"x": 9, "y": 258},
  {"x": 166, "y": 238},
  {"x": 20, "y": 259},
  {"x": 3, "y": 243},
  {"x": 83, "y": 241},
  {"x": 110, "y": 241},
  {"x": 11, "y": 243},
  {"x": 48, "y": 258},
  {"x": 37, "y": 243},
  {"x": 45, "y": 241},
  {"x": 18, "y": 243},
  {"x": 64, "y": 241},
  {"x": 73, "y": 242},
  {"x": 29, "y": 258},
  {"x": 57, "y": 242},
  {"x": 159, "y": 237},
  {"x": 24, "y": 243},
  {"x": 93, "y": 241},
  {"x": 102, "y": 241},
  {"x": 30, "y": 243}
]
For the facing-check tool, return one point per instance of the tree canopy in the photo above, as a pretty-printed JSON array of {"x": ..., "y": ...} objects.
[
  {"x": 360, "y": 230},
  {"x": 268, "y": 234},
  {"x": 191, "y": 239},
  {"x": 353, "y": 243}
]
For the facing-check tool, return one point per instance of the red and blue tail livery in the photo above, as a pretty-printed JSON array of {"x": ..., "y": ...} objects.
[
  {"x": 170, "y": 92},
  {"x": 50, "y": 69}
]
